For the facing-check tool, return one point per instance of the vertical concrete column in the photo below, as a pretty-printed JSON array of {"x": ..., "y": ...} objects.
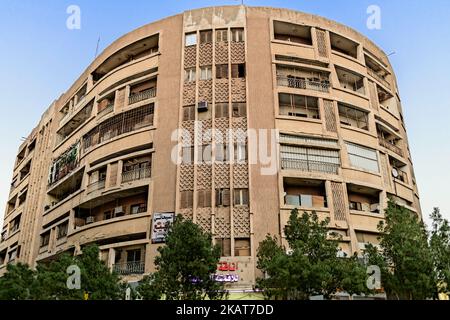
[
  {"x": 111, "y": 258},
  {"x": 119, "y": 172}
]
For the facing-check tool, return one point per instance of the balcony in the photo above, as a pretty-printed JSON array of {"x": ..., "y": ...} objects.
[
  {"x": 141, "y": 96},
  {"x": 97, "y": 185},
  {"x": 309, "y": 159},
  {"x": 309, "y": 166},
  {"x": 388, "y": 145},
  {"x": 128, "y": 268},
  {"x": 375, "y": 75},
  {"x": 292, "y": 82},
  {"x": 136, "y": 174},
  {"x": 107, "y": 110}
]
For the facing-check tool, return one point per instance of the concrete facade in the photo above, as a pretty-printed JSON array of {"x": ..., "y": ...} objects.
[{"x": 99, "y": 164}]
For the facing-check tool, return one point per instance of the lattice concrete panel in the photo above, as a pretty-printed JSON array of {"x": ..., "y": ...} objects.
[
  {"x": 237, "y": 52},
  {"x": 238, "y": 93},
  {"x": 222, "y": 223},
  {"x": 205, "y": 54},
  {"x": 203, "y": 218},
  {"x": 190, "y": 56},
  {"x": 187, "y": 213},
  {"x": 337, "y": 190},
  {"x": 205, "y": 90},
  {"x": 221, "y": 175},
  {"x": 241, "y": 222},
  {"x": 384, "y": 168},
  {"x": 322, "y": 43},
  {"x": 221, "y": 130},
  {"x": 239, "y": 126},
  {"x": 189, "y": 93},
  {"x": 203, "y": 132},
  {"x": 221, "y": 53},
  {"x": 187, "y": 134},
  {"x": 186, "y": 177},
  {"x": 221, "y": 90},
  {"x": 330, "y": 116},
  {"x": 240, "y": 175},
  {"x": 204, "y": 176}
]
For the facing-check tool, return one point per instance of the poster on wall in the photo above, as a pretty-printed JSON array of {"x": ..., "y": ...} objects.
[{"x": 160, "y": 224}]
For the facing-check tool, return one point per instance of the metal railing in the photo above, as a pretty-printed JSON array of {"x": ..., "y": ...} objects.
[
  {"x": 378, "y": 77},
  {"x": 97, "y": 185},
  {"x": 309, "y": 166},
  {"x": 143, "y": 95},
  {"x": 303, "y": 84},
  {"x": 134, "y": 267},
  {"x": 107, "y": 110},
  {"x": 136, "y": 174},
  {"x": 385, "y": 143}
]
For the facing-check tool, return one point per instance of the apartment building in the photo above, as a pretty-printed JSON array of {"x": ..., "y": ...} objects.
[{"x": 100, "y": 165}]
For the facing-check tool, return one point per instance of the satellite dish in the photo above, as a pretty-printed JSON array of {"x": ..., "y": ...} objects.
[{"x": 394, "y": 172}]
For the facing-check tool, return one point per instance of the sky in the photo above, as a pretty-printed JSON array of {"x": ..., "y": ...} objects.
[{"x": 40, "y": 58}]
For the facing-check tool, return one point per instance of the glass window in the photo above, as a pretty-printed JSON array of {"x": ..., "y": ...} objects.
[
  {"x": 237, "y": 35},
  {"x": 222, "y": 35},
  {"x": 240, "y": 197},
  {"x": 221, "y": 110},
  {"x": 191, "y": 39},
  {"x": 353, "y": 117},
  {"x": 189, "y": 75},
  {"x": 362, "y": 157},
  {"x": 222, "y": 71},
  {"x": 205, "y": 73},
  {"x": 206, "y": 36}
]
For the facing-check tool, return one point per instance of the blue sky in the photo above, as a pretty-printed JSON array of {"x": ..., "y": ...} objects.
[{"x": 40, "y": 58}]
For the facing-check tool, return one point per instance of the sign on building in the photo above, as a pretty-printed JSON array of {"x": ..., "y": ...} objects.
[{"x": 160, "y": 225}]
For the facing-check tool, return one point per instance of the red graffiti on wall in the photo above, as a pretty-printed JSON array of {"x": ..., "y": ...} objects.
[{"x": 227, "y": 266}]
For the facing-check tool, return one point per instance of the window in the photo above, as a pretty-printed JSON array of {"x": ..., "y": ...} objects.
[
  {"x": 222, "y": 35},
  {"x": 225, "y": 246},
  {"x": 206, "y": 73},
  {"x": 221, "y": 71},
  {"x": 45, "y": 239},
  {"x": 222, "y": 197},
  {"x": 353, "y": 117},
  {"x": 343, "y": 45},
  {"x": 298, "y": 106},
  {"x": 204, "y": 153},
  {"x": 189, "y": 75},
  {"x": 107, "y": 215},
  {"x": 309, "y": 159},
  {"x": 188, "y": 155},
  {"x": 300, "y": 200},
  {"x": 362, "y": 157},
  {"x": 204, "y": 198},
  {"x": 186, "y": 199},
  {"x": 242, "y": 247},
  {"x": 221, "y": 110},
  {"x": 134, "y": 255},
  {"x": 62, "y": 230},
  {"x": 355, "y": 205},
  {"x": 191, "y": 39},
  {"x": 206, "y": 36},
  {"x": 237, "y": 35},
  {"x": 239, "y": 109},
  {"x": 222, "y": 152},
  {"x": 238, "y": 70},
  {"x": 188, "y": 113},
  {"x": 240, "y": 152},
  {"x": 241, "y": 197}
]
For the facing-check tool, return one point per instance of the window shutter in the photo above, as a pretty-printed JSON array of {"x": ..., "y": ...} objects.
[
  {"x": 207, "y": 198},
  {"x": 201, "y": 199},
  {"x": 219, "y": 152},
  {"x": 234, "y": 71},
  {"x": 236, "y": 197},
  {"x": 245, "y": 196},
  {"x": 183, "y": 199},
  {"x": 226, "y": 197},
  {"x": 218, "y": 202},
  {"x": 190, "y": 198}
]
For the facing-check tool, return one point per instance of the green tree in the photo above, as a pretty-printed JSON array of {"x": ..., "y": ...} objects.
[
  {"x": 18, "y": 283},
  {"x": 185, "y": 265},
  {"x": 440, "y": 248},
  {"x": 312, "y": 266},
  {"x": 405, "y": 258}
]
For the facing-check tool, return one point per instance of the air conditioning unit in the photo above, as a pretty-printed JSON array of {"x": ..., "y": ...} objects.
[
  {"x": 90, "y": 219},
  {"x": 202, "y": 106},
  {"x": 118, "y": 210},
  {"x": 375, "y": 207}
]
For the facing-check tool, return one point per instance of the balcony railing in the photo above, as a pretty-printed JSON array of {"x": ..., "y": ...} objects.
[
  {"x": 378, "y": 77},
  {"x": 385, "y": 143},
  {"x": 135, "y": 267},
  {"x": 303, "y": 84},
  {"x": 136, "y": 174},
  {"x": 310, "y": 166},
  {"x": 143, "y": 95},
  {"x": 100, "y": 184},
  {"x": 107, "y": 110}
]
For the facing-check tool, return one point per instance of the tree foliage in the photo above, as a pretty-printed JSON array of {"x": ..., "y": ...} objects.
[
  {"x": 405, "y": 258},
  {"x": 312, "y": 266},
  {"x": 49, "y": 280},
  {"x": 184, "y": 265}
]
